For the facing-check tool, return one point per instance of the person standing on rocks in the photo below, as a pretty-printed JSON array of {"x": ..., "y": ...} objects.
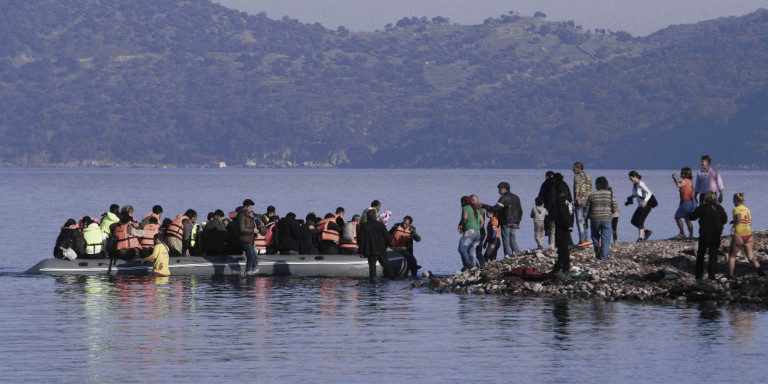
[
  {"x": 708, "y": 180},
  {"x": 687, "y": 202},
  {"x": 563, "y": 225},
  {"x": 510, "y": 212},
  {"x": 549, "y": 196},
  {"x": 742, "y": 235},
  {"x": 539, "y": 215},
  {"x": 615, "y": 223},
  {"x": 645, "y": 202},
  {"x": 712, "y": 218},
  {"x": 469, "y": 228},
  {"x": 600, "y": 207},
  {"x": 582, "y": 187}
]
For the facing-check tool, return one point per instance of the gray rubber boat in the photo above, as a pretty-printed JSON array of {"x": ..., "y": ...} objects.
[{"x": 269, "y": 265}]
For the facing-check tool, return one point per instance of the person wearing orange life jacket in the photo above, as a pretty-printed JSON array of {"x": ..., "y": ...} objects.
[
  {"x": 151, "y": 228},
  {"x": 402, "y": 235},
  {"x": 126, "y": 237},
  {"x": 157, "y": 212},
  {"x": 267, "y": 243},
  {"x": 179, "y": 233},
  {"x": 329, "y": 234},
  {"x": 260, "y": 239},
  {"x": 348, "y": 245}
]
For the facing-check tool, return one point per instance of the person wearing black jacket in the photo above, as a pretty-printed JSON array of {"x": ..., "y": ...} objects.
[
  {"x": 290, "y": 234},
  {"x": 214, "y": 236},
  {"x": 549, "y": 196},
  {"x": 373, "y": 240},
  {"x": 70, "y": 239},
  {"x": 510, "y": 213},
  {"x": 712, "y": 219},
  {"x": 563, "y": 224}
]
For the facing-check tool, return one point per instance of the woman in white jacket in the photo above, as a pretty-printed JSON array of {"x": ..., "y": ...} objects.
[{"x": 645, "y": 202}]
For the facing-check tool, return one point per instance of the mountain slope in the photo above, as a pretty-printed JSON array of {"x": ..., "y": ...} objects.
[{"x": 189, "y": 82}]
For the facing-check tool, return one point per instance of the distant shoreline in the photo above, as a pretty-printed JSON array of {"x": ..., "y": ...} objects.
[{"x": 721, "y": 167}]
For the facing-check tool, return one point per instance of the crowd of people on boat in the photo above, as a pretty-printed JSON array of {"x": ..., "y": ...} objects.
[
  {"x": 118, "y": 235},
  {"x": 487, "y": 228}
]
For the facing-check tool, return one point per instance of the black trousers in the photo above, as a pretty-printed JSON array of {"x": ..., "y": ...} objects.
[
  {"x": 382, "y": 259},
  {"x": 329, "y": 248},
  {"x": 615, "y": 227},
  {"x": 708, "y": 243},
  {"x": 410, "y": 259},
  {"x": 491, "y": 250},
  {"x": 641, "y": 213},
  {"x": 348, "y": 251},
  {"x": 562, "y": 240}
]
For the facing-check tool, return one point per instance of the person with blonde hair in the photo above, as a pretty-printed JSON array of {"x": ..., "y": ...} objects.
[{"x": 741, "y": 238}]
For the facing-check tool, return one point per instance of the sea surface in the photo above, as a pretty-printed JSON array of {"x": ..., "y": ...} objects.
[{"x": 185, "y": 329}]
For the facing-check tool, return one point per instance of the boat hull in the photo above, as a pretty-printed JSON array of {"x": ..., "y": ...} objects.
[{"x": 351, "y": 266}]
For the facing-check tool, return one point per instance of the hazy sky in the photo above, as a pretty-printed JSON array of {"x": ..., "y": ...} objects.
[{"x": 639, "y": 17}]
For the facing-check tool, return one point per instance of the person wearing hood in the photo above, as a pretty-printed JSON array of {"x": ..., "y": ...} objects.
[
  {"x": 290, "y": 234},
  {"x": 70, "y": 244},
  {"x": 110, "y": 218},
  {"x": 563, "y": 224}
]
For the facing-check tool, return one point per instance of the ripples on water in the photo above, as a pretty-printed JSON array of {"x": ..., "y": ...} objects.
[{"x": 102, "y": 329}]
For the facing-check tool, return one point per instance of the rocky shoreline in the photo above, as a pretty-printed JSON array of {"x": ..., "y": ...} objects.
[{"x": 659, "y": 271}]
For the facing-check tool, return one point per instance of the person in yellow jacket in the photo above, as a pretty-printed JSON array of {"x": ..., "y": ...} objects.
[
  {"x": 160, "y": 257},
  {"x": 110, "y": 218}
]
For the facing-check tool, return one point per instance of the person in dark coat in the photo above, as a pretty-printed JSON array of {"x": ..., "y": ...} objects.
[
  {"x": 214, "y": 236},
  {"x": 563, "y": 224},
  {"x": 712, "y": 219},
  {"x": 70, "y": 242},
  {"x": 549, "y": 196},
  {"x": 510, "y": 212},
  {"x": 373, "y": 240},
  {"x": 290, "y": 235}
]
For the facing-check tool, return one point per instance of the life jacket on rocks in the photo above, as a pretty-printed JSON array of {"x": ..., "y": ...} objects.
[
  {"x": 123, "y": 240},
  {"x": 148, "y": 240},
  {"x": 400, "y": 237},
  {"x": 325, "y": 233},
  {"x": 94, "y": 241},
  {"x": 349, "y": 237},
  {"x": 176, "y": 228}
]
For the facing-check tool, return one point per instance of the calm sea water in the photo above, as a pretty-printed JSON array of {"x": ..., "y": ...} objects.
[{"x": 100, "y": 329}]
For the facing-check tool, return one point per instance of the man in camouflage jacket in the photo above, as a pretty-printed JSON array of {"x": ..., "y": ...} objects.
[{"x": 582, "y": 187}]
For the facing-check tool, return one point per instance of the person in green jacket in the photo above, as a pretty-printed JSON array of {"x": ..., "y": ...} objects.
[{"x": 111, "y": 217}]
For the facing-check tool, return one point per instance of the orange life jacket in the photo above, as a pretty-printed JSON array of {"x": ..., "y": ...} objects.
[
  {"x": 494, "y": 229},
  {"x": 260, "y": 241},
  {"x": 327, "y": 234},
  {"x": 176, "y": 228},
  {"x": 400, "y": 237},
  {"x": 148, "y": 240},
  {"x": 351, "y": 244},
  {"x": 124, "y": 240}
]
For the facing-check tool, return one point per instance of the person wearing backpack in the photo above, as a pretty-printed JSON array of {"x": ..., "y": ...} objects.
[{"x": 563, "y": 225}]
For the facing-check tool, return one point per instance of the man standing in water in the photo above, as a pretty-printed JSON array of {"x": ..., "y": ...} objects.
[
  {"x": 708, "y": 180},
  {"x": 373, "y": 240},
  {"x": 510, "y": 212}
]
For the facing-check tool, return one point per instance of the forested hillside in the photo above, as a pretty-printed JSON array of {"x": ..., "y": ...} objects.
[{"x": 87, "y": 82}]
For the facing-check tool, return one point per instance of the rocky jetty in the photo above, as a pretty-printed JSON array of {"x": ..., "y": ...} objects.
[{"x": 655, "y": 271}]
